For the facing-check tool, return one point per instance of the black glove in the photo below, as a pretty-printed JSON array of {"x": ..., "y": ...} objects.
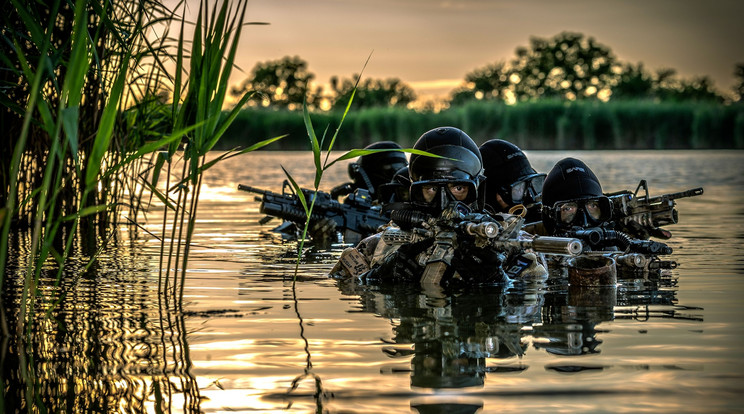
[
  {"x": 479, "y": 265},
  {"x": 401, "y": 265}
]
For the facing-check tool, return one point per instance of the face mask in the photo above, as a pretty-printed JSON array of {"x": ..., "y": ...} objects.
[
  {"x": 581, "y": 212},
  {"x": 526, "y": 191},
  {"x": 442, "y": 192}
]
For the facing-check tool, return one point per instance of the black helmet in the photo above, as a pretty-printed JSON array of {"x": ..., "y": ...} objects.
[
  {"x": 509, "y": 174},
  {"x": 462, "y": 168},
  {"x": 572, "y": 197},
  {"x": 373, "y": 170},
  {"x": 397, "y": 190}
]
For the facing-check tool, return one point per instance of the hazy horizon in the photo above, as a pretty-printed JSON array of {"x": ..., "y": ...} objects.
[{"x": 432, "y": 45}]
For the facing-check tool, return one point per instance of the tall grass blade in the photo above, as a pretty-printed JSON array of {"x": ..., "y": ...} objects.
[
  {"x": 314, "y": 145},
  {"x": 106, "y": 127}
]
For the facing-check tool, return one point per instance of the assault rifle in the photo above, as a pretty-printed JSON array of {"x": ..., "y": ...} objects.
[
  {"x": 631, "y": 253},
  {"x": 596, "y": 238},
  {"x": 504, "y": 237},
  {"x": 355, "y": 218},
  {"x": 642, "y": 216}
]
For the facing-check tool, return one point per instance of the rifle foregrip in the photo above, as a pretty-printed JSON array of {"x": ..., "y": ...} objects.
[{"x": 284, "y": 212}]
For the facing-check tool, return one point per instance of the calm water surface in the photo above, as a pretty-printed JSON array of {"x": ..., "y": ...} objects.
[{"x": 246, "y": 341}]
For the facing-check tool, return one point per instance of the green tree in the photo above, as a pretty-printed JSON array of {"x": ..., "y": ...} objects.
[
  {"x": 490, "y": 82},
  {"x": 282, "y": 83},
  {"x": 371, "y": 92},
  {"x": 634, "y": 82},
  {"x": 568, "y": 66},
  {"x": 699, "y": 89},
  {"x": 668, "y": 87}
]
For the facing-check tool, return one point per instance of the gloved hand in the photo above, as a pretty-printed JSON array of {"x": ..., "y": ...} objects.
[
  {"x": 323, "y": 231},
  {"x": 479, "y": 265},
  {"x": 401, "y": 265}
]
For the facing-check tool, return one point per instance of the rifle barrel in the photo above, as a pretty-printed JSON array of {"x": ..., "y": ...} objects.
[
  {"x": 250, "y": 189},
  {"x": 682, "y": 194}
]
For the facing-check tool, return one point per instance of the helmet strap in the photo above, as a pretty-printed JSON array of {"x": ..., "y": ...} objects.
[{"x": 365, "y": 177}]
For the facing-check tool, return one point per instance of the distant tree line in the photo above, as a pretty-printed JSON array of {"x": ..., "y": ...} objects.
[
  {"x": 545, "y": 124},
  {"x": 568, "y": 66},
  {"x": 286, "y": 82}
]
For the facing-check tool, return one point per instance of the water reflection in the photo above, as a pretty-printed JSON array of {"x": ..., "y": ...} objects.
[
  {"x": 101, "y": 342},
  {"x": 459, "y": 340},
  {"x": 113, "y": 345}
]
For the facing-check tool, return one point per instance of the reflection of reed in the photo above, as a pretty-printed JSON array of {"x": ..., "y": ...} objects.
[
  {"x": 104, "y": 347},
  {"x": 319, "y": 394}
]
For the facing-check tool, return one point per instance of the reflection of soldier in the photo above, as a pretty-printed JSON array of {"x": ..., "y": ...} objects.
[
  {"x": 570, "y": 317},
  {"x": 510, "y": 179},
  {"x": 650, "y": 296},
  {"x": 452, "y": 338},
  {"x": 645, "y": 290},
  {"x": 446, "y": 408}
]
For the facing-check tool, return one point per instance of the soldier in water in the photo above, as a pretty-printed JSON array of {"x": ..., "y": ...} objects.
[
  {"x": 575, "y": 206},
  {"x": 451, "y": 182},
  {"x": 512, "y": 185}
]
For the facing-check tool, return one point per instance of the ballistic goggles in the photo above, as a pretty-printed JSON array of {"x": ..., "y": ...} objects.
[
  {"x": 443, "y": 191},
  {"x": 525, "y": 191},
  {"x": 581, "y": 212}
]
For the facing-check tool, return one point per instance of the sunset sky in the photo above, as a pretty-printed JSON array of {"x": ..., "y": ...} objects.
[{"x": 432, "y": 44}]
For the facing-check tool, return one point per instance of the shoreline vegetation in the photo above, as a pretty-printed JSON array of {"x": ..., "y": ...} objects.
[
  {"x": 536, "y": 125},
  {"x": 94, "y": 145}
]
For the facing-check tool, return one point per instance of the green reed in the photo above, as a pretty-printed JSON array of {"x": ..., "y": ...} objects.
[
  {"x": 91, "y": 137},
  {"x": 64, "y": 113},
  {"x": 200, "y": 98},
  {"x": 322, "y": 162}
]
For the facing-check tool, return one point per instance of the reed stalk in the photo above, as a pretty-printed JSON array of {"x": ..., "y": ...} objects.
[{"x": 86, "y": 115}]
